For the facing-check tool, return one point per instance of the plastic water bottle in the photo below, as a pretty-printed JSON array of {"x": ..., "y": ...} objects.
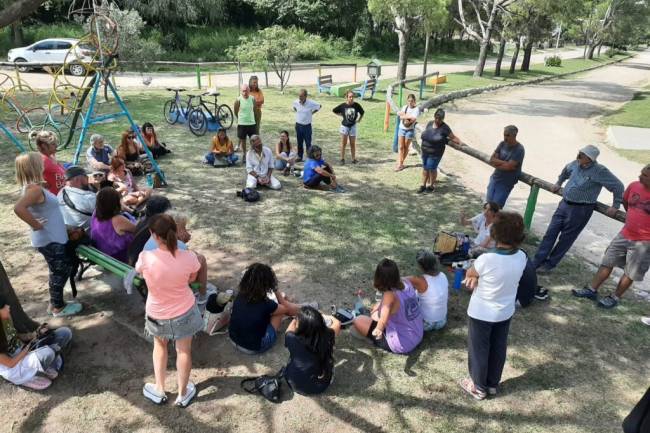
[
  {"x": 466, "y": 245},
  {"x": 150, "y": 180},
  {"x": 459, "y": 273}
]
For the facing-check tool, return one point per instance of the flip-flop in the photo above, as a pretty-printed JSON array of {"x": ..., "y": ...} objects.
[
  {"x": 151, "y": 393},
  {"x": 184, "y": 400},
  {"x": 70, "y": 309},
  {"x": 468, "y": 386},
  {"x": 38, "y": 383}
]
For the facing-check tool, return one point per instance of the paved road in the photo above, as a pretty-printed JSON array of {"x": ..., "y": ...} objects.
[
  {"x": 555, "y": 120},
  {"x": 41, "y": 80}
]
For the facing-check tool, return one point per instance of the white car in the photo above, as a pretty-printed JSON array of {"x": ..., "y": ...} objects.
[{"x": 53, "y": 52}]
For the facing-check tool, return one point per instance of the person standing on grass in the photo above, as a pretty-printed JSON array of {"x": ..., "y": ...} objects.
[
  {"x": 630, "y": 249},
  {"x": 258, "y": 95},
  {"x": 305, "y": 109},
  {"x": 434, "y": 142},
  {"x": 506, "y": 160},
  {"x": 351, "y": 113},
  {"x": 586, "y": 177},
  {"x": 493, "y": 281},
  {"x": 171, "y": 311},
  {"x": 40, "y": 209},
  {"x": 406, "y": 131},
  {"x": 244, "y": 111},
  {"x": 53, "y": 172}
]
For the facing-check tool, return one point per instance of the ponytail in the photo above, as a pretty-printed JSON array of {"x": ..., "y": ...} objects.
[{"x": 164, "y": 226}]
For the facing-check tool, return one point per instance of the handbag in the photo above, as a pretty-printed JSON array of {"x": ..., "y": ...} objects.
[{"x": 270, "y": 387}]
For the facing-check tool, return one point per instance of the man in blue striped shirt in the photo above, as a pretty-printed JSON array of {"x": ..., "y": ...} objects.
[{"x": 586, "y": 177}]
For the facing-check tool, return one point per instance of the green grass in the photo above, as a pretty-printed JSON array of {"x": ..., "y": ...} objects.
[
  {"x": 635, "y": 113},
  {"x": 570, "y": 369}
]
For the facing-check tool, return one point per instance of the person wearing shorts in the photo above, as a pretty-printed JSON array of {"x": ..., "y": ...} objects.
[
  {"x": 630, "y": 249},
  {"x": 317, "y": 171},
  {"x": 434, "y": 141},
  {"x": 406, "y": 130},
  {"x": 171, "y": 310},
  {"x": 351, "y": 113},
  {"x": 245, "y": 113}
]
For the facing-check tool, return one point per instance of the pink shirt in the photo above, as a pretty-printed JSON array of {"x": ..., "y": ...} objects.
[
  {"x": 637, "y": 222},
  {"x": 53, "y": 174},
  {"x": 167, "y": 279}
]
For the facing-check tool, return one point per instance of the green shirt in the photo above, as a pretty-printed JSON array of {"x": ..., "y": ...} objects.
[{"x": 246, "y": 115}]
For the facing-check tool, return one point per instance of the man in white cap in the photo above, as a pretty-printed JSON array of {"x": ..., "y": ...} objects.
[{"x": 586, "y": 177}]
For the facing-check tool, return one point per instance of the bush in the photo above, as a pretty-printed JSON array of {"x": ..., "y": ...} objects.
[{"x": 553, "y": 61}]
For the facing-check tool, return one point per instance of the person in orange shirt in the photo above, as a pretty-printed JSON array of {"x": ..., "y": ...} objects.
[
  {"x": 256, "y": 93},
  {"x": 222, "y": 152}
]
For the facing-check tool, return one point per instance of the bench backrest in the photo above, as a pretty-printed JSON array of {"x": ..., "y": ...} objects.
[
  {"x": 325, "y": 79},
  {"x": 371, "y": 83}
]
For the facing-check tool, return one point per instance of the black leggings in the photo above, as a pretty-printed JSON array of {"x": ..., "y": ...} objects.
[{"x": 488, "y": 342}]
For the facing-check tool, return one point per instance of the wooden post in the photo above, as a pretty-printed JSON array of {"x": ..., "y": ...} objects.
[
  {"x": 198, "y": 76},
  {"x": 355, "y": 73}
]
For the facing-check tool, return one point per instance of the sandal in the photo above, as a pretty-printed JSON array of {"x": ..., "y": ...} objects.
[
  {"x": 184, "y": 400},
  {"x": 70, "y": 309},
  {"x": 38, "y": 383},
  {"x": 468, "y": 385},
  {"x": 399, "y": 168},
  {"x": 151, "y": 393}
]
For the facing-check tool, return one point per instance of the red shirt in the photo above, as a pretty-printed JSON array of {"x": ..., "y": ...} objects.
[
  {"x": 54, "y": 174},
  {"x": 637, "y": 223}
]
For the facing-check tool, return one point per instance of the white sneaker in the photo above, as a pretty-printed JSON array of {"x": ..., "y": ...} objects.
[
  {"x": 184, "y": 400},
  {"x": 646, "y": 320}
]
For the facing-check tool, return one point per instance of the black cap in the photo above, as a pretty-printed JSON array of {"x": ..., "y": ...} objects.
[{"x": 74, "y": 171}]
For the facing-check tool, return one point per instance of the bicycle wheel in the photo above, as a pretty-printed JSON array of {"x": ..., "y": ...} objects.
[
  {"x": 34, "y": 119},
  {"x": 34, "y": 131},
  {"x": 225, "y": 116},
  {"x": 197, "y": 122},
  {"x": 170, "y": 112}
]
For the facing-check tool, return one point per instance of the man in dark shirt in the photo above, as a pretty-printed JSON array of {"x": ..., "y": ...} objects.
[
  {"x": 506, "y": 160},
  {"x": 352, "y": 113}
]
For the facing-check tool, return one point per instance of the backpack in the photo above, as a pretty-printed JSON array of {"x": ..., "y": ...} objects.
[
  {"x": 249, "y": 194},
  {"x": 270, "y": 387},
  {"x": 216, "y": 315}
]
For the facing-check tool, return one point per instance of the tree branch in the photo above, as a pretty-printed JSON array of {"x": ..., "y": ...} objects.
[
  {"x": 478, "y": 17},
  {"x": 466, "y": 28},
  {"x": 18, "y": 10}
]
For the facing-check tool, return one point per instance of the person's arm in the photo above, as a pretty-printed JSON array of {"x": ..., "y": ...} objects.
[
  {"x": 236, "y": 107},
  {"x": 97, "y": 165},
  {"x": 10, "y": 362},
  {"x": 387, "y": 301},
  {"x": 320, "y": 170},
  {"x": 249, "y": 164},
  {"x": 338, "y": 109},
  {"x": 454, "y": 138},
  {"x": 613, "y": 185},
  {"x": 123, "y": 225},
  {"x": 281, "y": 310},
  {"x": 33, "y": 195},
  {"x": 419, "y": 283},
  {"x": 292, "y": 326},
  {"x": 564, "y": 175},
  {"x": 260, "y": 101},
  {"x": 315, "y": 107},
  {"x": 471, "y": 278},
  {"x": 360, "y": 111},
  {"x": 626, "y": 196}
]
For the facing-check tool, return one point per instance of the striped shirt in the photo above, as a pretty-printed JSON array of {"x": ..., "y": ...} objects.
[{"x": 585, "y": 183}]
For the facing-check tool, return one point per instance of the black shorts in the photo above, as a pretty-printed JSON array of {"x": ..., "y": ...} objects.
[
  {"x": 244, "y": 131},
  {"x": 379, "y": 342}
]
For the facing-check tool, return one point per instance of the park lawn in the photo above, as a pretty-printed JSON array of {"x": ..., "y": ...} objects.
[
  {"x": 635, "y": 113},
  {"x": 571, "y": 368}
]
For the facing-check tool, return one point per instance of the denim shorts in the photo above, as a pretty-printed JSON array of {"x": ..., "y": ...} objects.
[
  {"x": 430, "y": 162},
  {"x": 183, "y": 326},
  {"x": 435, "y": 326},
  {"x": 267, "y": 342},
  {"x": 351, "y": 130},
  {"x": 406, "y": 133}
]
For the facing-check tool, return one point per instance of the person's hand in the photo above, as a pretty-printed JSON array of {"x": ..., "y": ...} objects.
[
  {"x": 377, "y": 333},
  {"x": 611, "y": 211},
  {"x": 333, "y": 177},
  {"x": 555, "y": 188},
  {"x": 40, "y": 224},
  {"x": 470, "y": 282},
  {"x": 264, "y": 180}
]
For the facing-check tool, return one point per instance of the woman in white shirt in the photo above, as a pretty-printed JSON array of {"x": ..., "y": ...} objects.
[
  {"x": 493, "y": 280},
  {"x": 406, "y": 131},
  {"x": 481, "y": 224},
  {"x": 433, "y": 291}
]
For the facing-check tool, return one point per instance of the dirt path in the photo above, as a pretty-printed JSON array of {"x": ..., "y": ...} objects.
[
  {"x": 554, "y": 121},
  {"x": 41, "y": 80}
]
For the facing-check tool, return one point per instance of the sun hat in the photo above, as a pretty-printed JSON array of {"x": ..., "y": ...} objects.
[{"x": 591, "y": 151}]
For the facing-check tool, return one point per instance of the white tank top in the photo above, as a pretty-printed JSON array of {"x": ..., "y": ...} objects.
[{"x": 433, "y": 302}]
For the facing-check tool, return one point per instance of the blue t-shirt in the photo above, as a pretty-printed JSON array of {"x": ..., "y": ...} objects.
[
  {"x": 248, "y": 321},
  {"x": 309, "y": 171},
  {"x": 152, "y": 245}
]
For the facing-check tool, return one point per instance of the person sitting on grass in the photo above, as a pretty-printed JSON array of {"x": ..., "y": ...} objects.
[
  {"x": 99, "y": 154},
  {"x": 23, "y": 364},
  {"x": 123, "y": 182},
  {"x": 481, "y": 224},
  {"x": 111, "y": 230},
  {"x": 156, "y": 148},
  {"x": 255, "y": 317},
  {"x": 171, "y": 310},
  {"x": 317, "y": 171},
  {"x": 222, "y": 153},
  {"x": 310, "y": 341},
  {"x": 285, "y": 158},
  {"x": 433, "y": 291},
  {"x": 130, "y": 150},
  {"x": 395, "y": 323},
  {"x": 493, "y": 281},
  {"x": 259, "y": 166}
]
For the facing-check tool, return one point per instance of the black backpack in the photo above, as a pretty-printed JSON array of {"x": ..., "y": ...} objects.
[
  {"x": 268, "y": 386},
  {"x": 249, "y": 194}
]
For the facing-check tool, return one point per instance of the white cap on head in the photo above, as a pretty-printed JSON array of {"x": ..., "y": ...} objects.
[{"x": 591, "y": 151}]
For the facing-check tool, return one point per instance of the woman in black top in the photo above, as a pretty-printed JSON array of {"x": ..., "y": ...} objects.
[
  {"x": 352, "y": 113},
  {"x": 434, "y": 141},
  {"x": 311, "y": 350}
]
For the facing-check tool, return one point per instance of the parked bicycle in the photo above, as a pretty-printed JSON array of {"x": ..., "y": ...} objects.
[
  {"x": 175, "y": 110},
  {"x": 199, "y": 116}
]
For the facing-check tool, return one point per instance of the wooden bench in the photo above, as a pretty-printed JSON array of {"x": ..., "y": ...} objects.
[
  {"x": 324, "y": 83},
  {"x": 369, "y": 85}
]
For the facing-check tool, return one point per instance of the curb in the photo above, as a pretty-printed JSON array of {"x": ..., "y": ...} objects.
[{"x": 447, "y": 97}]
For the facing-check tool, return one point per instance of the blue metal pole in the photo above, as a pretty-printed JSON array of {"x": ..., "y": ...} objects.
[
  {"x": 87, "y": 118},
  {"x": 12, "y": 138}
]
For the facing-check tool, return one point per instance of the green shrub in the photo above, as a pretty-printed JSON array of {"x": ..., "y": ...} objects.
[{"x": 553, "y": 61}]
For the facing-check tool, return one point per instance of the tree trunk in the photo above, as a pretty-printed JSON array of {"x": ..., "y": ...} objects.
[
  {"x": 17, "y": 35},
  {"x": 528, "y": 51},
  {"x": 513, "y": 62},
  {"x": 403, "y": 55},
  {"x": 502, "y": 50},
  {"x": 482, "y": 58},
  {"x": 18, "y": 10},
  {"x": 427, "y": 38},
  {"x": 600, "y": 45},
  {"x": 485, "y": 41},
  {"x": 590, "y": 51}
]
